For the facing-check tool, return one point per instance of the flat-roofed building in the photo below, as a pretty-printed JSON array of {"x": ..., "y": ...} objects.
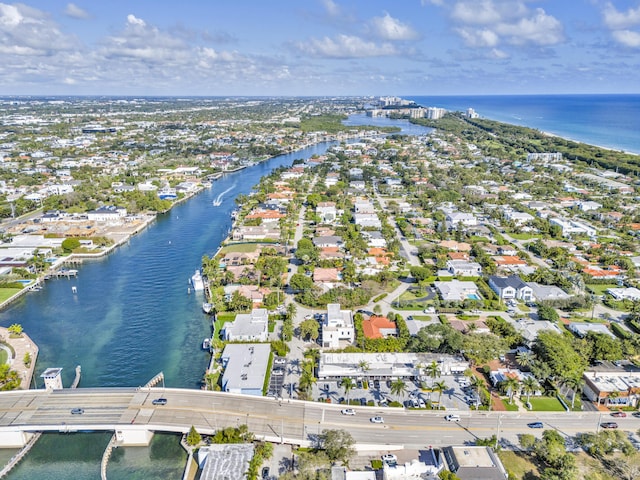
[
  {"x": 337, "y": 326},
  {"x": 245, "y": 367},
  {"x": 605, "y": 378},
  {"x": 474, "y": 463}
]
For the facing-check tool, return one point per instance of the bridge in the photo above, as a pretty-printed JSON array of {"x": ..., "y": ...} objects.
[{"x": 131, "y": 415}]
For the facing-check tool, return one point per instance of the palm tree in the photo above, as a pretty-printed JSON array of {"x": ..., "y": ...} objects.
[
  {"x": 398, "y": 387},
  {"x": 510, "y": 385},
  {"x": 347, "y": 384},
  {"x": 292, "y": 309},
  {"x": 575, "y": 384},
  {"x": 525, "y": 359},
  {"x": 439, "y": 387},
  {"x": 363, "y": 365},
  {"x": 530, "y": 385},
  {"x": 433, "y": 370}
]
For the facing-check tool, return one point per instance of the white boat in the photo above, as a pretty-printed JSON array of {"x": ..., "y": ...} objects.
[
  {"x": 206, "y": 344},
  {"x": 207, "y": 307},
  {"x": 196, "y": 281}
]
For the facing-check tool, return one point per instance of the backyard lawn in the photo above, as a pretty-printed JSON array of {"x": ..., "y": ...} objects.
[
  {"x": 520, "y": 465},
  {"x": 240, "y": 248},
  {"x": 600, "y": 289},
  {"x": 6, "y": 293},
  {"x": 546, "y": 404}
]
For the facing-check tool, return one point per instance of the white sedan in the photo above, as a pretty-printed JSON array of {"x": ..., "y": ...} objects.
[
  {"x": 376, "y": 419},
  {"x": 348, "y": 411}
]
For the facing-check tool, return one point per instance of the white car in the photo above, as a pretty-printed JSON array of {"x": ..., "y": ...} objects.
[
  {"x": 421, "y": 403},
  {"x": 389, "y": 458},
  {"x": 348, "y": 411},
  {"x": 452, "y": 418},
  {"x": 376, "y": 419}
]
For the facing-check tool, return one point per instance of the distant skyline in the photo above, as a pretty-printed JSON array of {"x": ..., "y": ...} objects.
[{"x": 319, "y": 47}]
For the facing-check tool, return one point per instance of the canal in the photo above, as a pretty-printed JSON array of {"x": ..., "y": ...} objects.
[{"x": 132, "y": 317}]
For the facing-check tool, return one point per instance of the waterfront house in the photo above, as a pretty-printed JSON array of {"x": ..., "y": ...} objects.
[{"x": 248, "y": 327}]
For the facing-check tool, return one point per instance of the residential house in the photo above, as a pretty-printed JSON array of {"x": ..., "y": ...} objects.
[
  {"x": 337, "y": 326},
  {"x": 326, "y": 275},
  {"x": 581, "y": 329},
  {"x": 463, "y": 268},
  {"x": 457, "y": 291},
  {"x": 547, "y": 292},
  {"x": 630, "y": 293},
  {"x": 474, "y": 463},
  {"x": 327, "y": 241},
  {"x": 511, "y": 287},
  {"x": 453, "y": 219},
  {"x": 379, "y": 327},
  {"x": 248, "y": 326},
  {"x": 326, "y": 211}
]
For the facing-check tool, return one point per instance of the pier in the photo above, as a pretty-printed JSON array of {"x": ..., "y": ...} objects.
[{"x": 63, "y": 273}]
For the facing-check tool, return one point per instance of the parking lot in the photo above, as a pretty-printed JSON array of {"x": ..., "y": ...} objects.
[
  {"x": 457, "y": 396},
  {"x": 278, "y": 375}
]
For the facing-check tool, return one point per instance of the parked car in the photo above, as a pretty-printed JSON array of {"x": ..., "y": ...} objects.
[
  {"x": 278, "y": 372},
  {"x": 389, "y": 458},
  {"x": 421, "y": 403},
  {"x": 363, "y": 401},
  {"x": 348, "y": 411},
  {"x": 265, "y": 472},
  {"x": 452, "y": 418},
  {"x": 619, "y": 414},
  {"x": 376, "y": 384},
  {"x": 535, "y": 425},
  {"x": 159, "y": 401},
  {"x": 609, "y": 425},
  {"x": 376, "y": 419},
  {"x": 280, "y": 360},
  {"x": 359, "y": 383},
  {"x": 77, "y": 411}
]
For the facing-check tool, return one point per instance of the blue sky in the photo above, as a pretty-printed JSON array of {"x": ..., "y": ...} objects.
[{"x": 319, "y": 47}]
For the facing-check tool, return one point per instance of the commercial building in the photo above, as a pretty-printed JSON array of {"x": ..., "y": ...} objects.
[
  {"x": 474, "y": 463},
  {"x": 613, "y": 384},
  {"x": 245, "y": 367}
]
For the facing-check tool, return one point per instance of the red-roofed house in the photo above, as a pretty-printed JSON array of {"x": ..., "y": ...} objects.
[{"x": 379, "y": 327}]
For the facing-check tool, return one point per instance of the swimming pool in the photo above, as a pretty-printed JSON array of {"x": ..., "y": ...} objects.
[
  {"x": 473, "y": 296},
  {"x": 24, "y": 282}
]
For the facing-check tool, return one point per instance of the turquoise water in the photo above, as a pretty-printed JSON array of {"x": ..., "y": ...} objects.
[
  {"x": 473, "y": 296},
  {"x": 611, "y": 121}
]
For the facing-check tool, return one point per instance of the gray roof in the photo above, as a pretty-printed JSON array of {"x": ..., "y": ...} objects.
[
  {"x": 229, "y": 462},
  {"x": 513, "y": 281},
  {"x": 245, "y": 366}
]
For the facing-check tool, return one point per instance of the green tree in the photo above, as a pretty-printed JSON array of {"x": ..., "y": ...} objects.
[
  {"x": 398, "y": 387},
  {"x": 510, "y": 386},
  {"x": 433, "y": 370},
  {"x": 347, "y": 384},
  {"x": 338, "y": 445},
  {"x": 239, "y": 303},
  {"x": 309, "y": 329},
  {"x": 193, "y": 437},
  {"x": 15, "y": 329},
  {"x": 529, "y": 386},
  {"x": 70, "y": 244},
  {"x": 439, "y": 387}
]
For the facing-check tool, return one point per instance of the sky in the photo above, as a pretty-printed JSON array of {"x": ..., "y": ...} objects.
[{"x": 319, "y": 47}]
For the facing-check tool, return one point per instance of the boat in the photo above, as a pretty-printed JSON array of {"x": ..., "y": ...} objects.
[
  {"x": 196, "y": 281},
  {"x": 207, "y": 307},
  {"x": 206, "y": 344},
  {"x": 234, "y": 214}
]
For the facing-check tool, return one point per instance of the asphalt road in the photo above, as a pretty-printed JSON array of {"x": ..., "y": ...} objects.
[{"x": 286, "y": 420}]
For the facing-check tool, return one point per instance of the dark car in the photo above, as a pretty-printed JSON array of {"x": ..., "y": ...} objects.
[
  {"x": 619, "y": 414},
  {"x": 535, "y": 425},
  {"x": 376, "y": 384},
  {"x": 359, "y": 383},
  {"x": 636, "y": 414},
  {"x": 265, "y": 472},
  {"x": 159, "y": 401},
  {"x": 77, "y": 411},
  {"x": 609, "y": 425}
]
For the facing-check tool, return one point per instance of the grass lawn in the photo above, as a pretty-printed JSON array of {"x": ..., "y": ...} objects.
[
  {"x": 422, "y": 317},
  {"x": 546, "y": 404},
  {"x": 6, "y": 293},
  {"x": 511, "y": 407},
  {"x": 4, "y": 356},
  {"x": 523, "y": 236},
  {"x": 221, "y": 319},
  {"x": 240, "y": 248},
  {"x": 600, "y": 289},
  {"x": 519, "y": 464}
]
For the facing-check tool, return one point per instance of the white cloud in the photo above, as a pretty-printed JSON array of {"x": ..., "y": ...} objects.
[
  {"x": 478, "y": 38},
  {"x": 133, "y": 20},
  {"x": 628, "y": 38},
  {"x": 620, "y": 22},
  {"x": 28, "y": 31},
  {"x": 345, "y": 46},
  {"x": 509, "y": 21},
  {"x": 74, "y": 11},
  {"x": 331, "y": 7},
  {"x": 540, "y": 29},
  {"x": 389, "y": 28},
  {"x": 495, "y": 53},
  {"x": 616, "y": 20}
]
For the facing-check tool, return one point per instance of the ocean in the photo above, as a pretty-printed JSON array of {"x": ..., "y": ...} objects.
[{"x": 611, "y": 121}]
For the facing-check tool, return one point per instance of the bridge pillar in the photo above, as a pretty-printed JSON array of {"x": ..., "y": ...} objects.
[
  {"x": 14, "y": 438},
  {"x": 131, "y": 437}
]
